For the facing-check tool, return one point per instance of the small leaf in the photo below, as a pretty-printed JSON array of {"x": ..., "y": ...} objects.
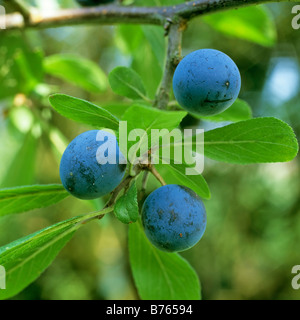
[
  {"x": 155, "y": 37},
  {"x": 126, "y": 208},
  {"x": 175, "y": 174},
  {"x": 76, "y": 70},
  {"x": 83, "y": 111},
  {"x": 28, "y": 69},
  {"x": 126, "y": 82},
  {"x": 254, "y": 24},
  {"x": 239, "y": 111},
  {"x": 128, "y": 37},
  {"x": 159, "y": 275},
  {"x": 21, "y": 199},
  {"x": 257, "y": 140}
]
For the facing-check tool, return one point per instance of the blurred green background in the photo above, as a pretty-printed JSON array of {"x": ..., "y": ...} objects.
[{"x": 253, "y": 233}]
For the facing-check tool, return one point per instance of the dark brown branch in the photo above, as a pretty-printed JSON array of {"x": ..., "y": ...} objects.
[{"x": 116, "y": 14}]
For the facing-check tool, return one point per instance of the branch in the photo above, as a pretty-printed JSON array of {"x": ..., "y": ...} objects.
[
  {"x": 116, "y": 14},
  {"x": 19, "y": 6},
  {"x": 173, "y": 58}
]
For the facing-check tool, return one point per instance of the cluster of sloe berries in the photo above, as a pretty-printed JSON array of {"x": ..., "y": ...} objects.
[{"x": 206, "y": 82}]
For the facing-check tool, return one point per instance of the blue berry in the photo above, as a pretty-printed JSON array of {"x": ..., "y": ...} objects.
[
  {"x": 206, "y": 82},
  {"x": 174, "y": 218},
  {"x": 82, "y": 173}
]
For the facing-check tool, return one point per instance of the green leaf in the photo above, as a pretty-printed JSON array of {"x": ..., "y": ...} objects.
[
  {"x": 159, "y": 275},
  {"x": 28, "y": 69},
  {"x": 145, "y": 59},
  {"x": 156, "y": 39},
  {"x": 257, "y": 140},
  {"x": 252, "y": 23},
  {"x": 25, "y": 259},
  {"x": 76, "y": 70},
  {"x": 176, "y": 174},
  {"x": 126, "y": 82},
  {"x": 21, "y": 66},
  {"x": 83, "y": 111},
  {"x": 117, "y": 109},
  {"x": 126, "y": 208},
  {"x": 21, "y": 199},
  {"x": 128, "y": 37},
  {"x": 239, "y": 111},
  {"x": 146, "y": 118}
]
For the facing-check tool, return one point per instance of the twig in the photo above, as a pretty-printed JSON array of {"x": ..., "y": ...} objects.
[{"x": 173, "y": 58}]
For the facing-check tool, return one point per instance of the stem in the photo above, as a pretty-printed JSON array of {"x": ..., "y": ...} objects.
[{"x": 173, "y": 58}]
